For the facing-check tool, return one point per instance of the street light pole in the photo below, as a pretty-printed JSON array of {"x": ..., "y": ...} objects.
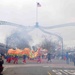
[
  {"x": 61, "y": 39},
  {"x": 62, "y": 47}
]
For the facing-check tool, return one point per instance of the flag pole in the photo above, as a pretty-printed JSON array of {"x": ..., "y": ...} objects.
[
  {"x": 37, "y": 5},
  {"x": 36, "y": 14}
]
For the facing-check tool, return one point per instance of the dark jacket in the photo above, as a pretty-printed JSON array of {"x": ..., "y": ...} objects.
[
  {"x": 49, "y": 56},
  {"x": 1, "y": 61},
  {"x": 24, "y": 56}
]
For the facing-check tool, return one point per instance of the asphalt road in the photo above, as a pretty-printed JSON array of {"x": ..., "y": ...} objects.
[
  {"x": 38, "y": 70},
  {"x": 56, "y": 67}
]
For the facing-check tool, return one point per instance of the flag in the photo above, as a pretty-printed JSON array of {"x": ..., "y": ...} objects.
[{"x": 38, "y": 4}]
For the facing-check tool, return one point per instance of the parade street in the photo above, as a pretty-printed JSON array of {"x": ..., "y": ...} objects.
[
  {"x": 53, "y": 68},
  {"x": 38, "y": 70}
]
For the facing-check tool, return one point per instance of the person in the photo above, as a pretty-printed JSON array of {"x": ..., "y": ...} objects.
[
  {"x": 8, "y": 58},
  {"x": 49, "y": 57},
  {"x": 1, "y": 64},
  {"x": 67, "y": 58},
  {"x": 42, "y": 56},
  {"x": 24, "y": 58},
  {"x": 74, "y": 59},
  {"x": 16, "y": 59},
  {"x": 39, "y": 59}
]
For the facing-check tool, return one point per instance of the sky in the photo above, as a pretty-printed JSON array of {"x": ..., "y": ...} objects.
[{"x": 51, "y": 12}]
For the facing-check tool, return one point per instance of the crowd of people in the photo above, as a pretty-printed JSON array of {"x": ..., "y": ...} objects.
[
  {"x": 69, "y": 57},
  {"x": 15, "y": 58}
]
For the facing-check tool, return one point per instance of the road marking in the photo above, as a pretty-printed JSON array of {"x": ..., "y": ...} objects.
[
  {"x": 54, "y": 70},
  {"x": 49, "y": 73},
  {"x": 70, "y": 72},
  {"x": 57, "y": 72},
  {"x": 25, "y": 65},
  {"x": 64, "y": 72},
  {"x": 45, "y": 66}
]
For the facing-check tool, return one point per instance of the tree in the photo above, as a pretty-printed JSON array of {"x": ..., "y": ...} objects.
[
  {"x": 49, "y": 45},
  {"x": 18, "y": 39}
]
